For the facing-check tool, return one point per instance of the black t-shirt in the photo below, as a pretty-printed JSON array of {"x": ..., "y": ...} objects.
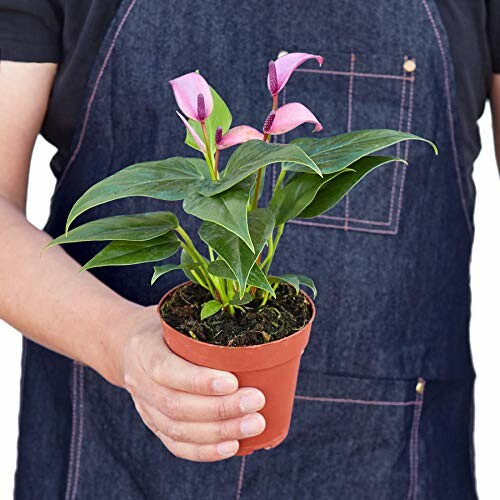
[{"x": 69, "y": 32}]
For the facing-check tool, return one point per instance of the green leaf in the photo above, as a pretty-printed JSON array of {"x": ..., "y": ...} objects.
[
  {"x": 227, "y": 209},
  {"x": 169, "y": 180},
  {"x": 250, "y": 157},
  {"x": 220, "y": 117},
  {"x": 306, "y": 281},
  {"x": 291, "y": 279},
  {"x": 124, "y": 253},
  {"x": 335, "y": 153},
  {"x": 246, "y": 299},
  {"x": 295, "y": 280},
  {"x": 167, "y": 268},
  {"x": 220, "y": 269},
  {"x": 332, "y": 192},
  {"x": 210, "y": 308},
  {"x": 256, "y": 277},
  {"x": 233, "y": 250},
  {"x": 296, "y": 194},
  {"x": 189, "y": 265},
  {"x": 138, "y": 227}
]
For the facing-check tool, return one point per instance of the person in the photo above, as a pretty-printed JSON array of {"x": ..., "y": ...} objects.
[{"x": 384, "y": 399}]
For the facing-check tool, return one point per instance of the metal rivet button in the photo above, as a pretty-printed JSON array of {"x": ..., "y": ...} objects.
[
  {"x": 420, "y": 387},
  {"x": 410, "y": 66},
  {"x": 282, "y": 53}
]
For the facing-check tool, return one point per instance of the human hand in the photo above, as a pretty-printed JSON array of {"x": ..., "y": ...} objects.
[{"x": 198, "y": 413}]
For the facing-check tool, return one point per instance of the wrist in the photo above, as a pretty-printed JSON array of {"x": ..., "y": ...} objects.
[{"x": 121, "y": 323}]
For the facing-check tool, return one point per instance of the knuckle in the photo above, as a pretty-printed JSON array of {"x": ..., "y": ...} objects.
[
  {"x": 222, "y": 409},
  {"x": 175, "y": 431},
  {"x": 198, "y": 383},
  {"x": 147, "y": 421},
  {"x": 170, "y": 406},
  {"x": 205, "y": 454},
  {"x": 171, "y": 445},
  {"x": 223, "y": 431},
  {"x": 133, "y": 344},
  {"x": 130, "y": 383},
  {"x": 158, "y": 368}
]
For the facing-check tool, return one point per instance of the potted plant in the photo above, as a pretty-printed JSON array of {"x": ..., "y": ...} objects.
[{"x": 233, "y": 314}]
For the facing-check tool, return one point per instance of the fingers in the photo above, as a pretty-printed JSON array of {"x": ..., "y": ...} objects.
[
  {"x": 211, "y": 452},
  {"x": 170, "y": 370},
  {"x": 198, "y": 413},
  {"x": 181, "y": 406},
  {"x": 200, "y": 453},
  {"x": 207, "y": 432}
]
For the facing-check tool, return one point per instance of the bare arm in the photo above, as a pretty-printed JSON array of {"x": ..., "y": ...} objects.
[
  {"x": 495, "y": 110},
  {"x": 46, "y": 298},
  {"x": 198, "y": 413}
]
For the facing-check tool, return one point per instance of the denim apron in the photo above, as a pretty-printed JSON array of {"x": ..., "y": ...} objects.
[{"x": 384, "y": 405}]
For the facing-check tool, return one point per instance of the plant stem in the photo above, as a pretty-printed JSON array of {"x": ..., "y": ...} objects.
[
  {"x": 231, "y": 292},
  {"x": 215, "y": 285},
  {"x": 216, "y": 163},
  {"x": 205, "y": 280},
  {"x": 210, "y": 167},
  {"x": 188, "y": 245},
  {"x": 210, "y": 160},
  {"x": 260, "y": 173},
  {"x": 265, "y": 298},
  {"x": 189, "y": 242},
  {"x": 270, "y": 243},
  {"x": 279, "y": 180},
  {"x": 222, "y": 291},
  {"x": 256, "y": 193},
  {"x": 272, "y": 251},
  {"x": 200, "y": 281}
]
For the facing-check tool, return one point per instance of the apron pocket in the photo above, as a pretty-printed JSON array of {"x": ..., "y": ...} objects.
[
  {"x": 354, "y": 91},
  {"x": 354, "y": 438}
]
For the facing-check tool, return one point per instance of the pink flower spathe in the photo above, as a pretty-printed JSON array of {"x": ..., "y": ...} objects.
[
  {"x": 288, "y": 117},
  {"x": 196, "y": 137},
  {"x": 193, "y": 96},
  {"x": 281, "y": 70},
  {"x": 238, "y": 135}
]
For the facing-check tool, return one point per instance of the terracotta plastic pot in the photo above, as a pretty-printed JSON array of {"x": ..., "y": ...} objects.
[{"x": 271, "y": 368}]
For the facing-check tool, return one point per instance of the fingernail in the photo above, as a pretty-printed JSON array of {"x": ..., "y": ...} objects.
[
  {"x": 224, "y": 385},
  {"x": 228, "y": 448},
  {"x": 252, "y": 402},
  {"x": 252, "y": 425}
]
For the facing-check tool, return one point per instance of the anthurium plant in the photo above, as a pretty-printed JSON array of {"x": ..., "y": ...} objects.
[{"x": 241, "y": 235}]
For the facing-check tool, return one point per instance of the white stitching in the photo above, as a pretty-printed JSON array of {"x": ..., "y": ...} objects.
[
  {"x": 356, "y": 401},
  {"x": 361, "y": 75},
  {"x": 349, "y": 129},
  {"x": 240, "y": 478},
  {"x": 450, "y": 115},
  {"x": 346, "y": 219},
  {"x": 80, "y": 435},
  {"x": 73, "y": 430},
  {"x": 414, "y": 441},
  {"x": 93, "y": 95}
]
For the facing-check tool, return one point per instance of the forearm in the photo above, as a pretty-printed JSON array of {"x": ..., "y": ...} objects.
[
  {"x": 52, "y": 303},
  {"x": 495, "y": 111}
]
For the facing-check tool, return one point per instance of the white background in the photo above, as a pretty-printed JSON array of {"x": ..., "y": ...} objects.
[{"x": 485, "y": 320}]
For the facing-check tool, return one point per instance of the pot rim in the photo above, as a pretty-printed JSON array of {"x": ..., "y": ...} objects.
[{"x": 247, "y": 349}]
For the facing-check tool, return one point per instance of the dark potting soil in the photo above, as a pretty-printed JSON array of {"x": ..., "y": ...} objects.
[{"x": 280, "y": 317}]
